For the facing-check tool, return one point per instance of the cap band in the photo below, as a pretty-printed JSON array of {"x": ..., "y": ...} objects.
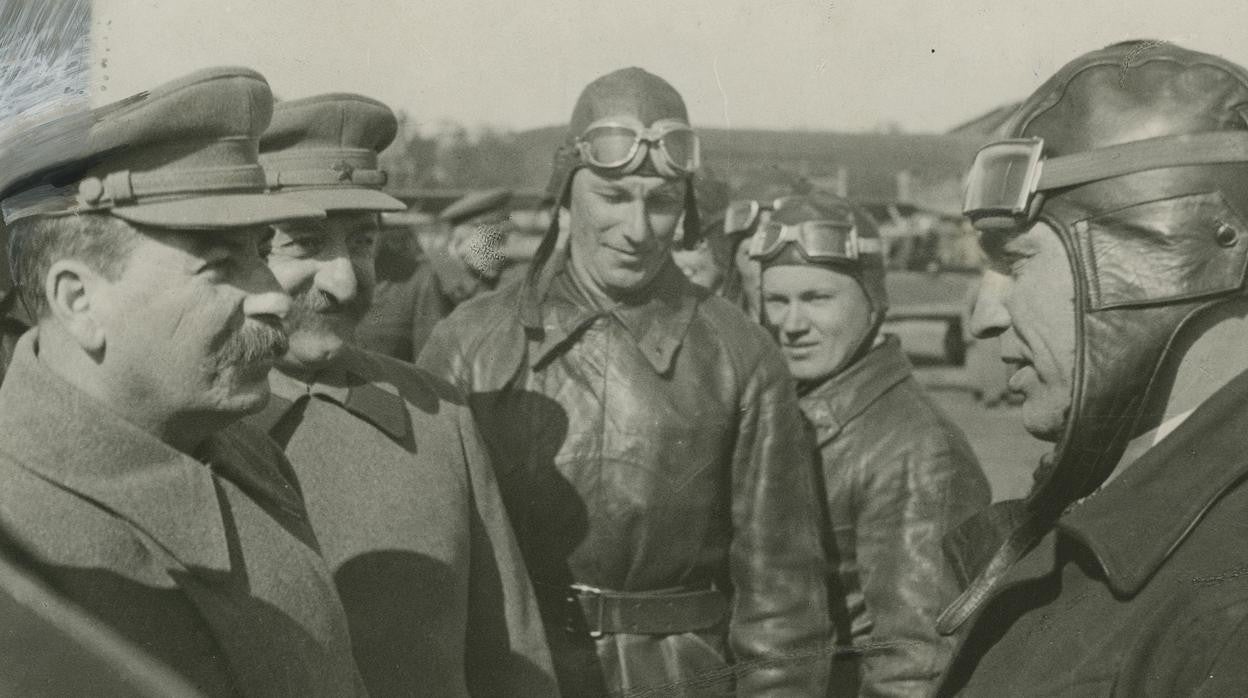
[
  {"x": 126, "y": 188},
  {"x": 323, "y": 167},
  {"x": 338, "y": 176}
]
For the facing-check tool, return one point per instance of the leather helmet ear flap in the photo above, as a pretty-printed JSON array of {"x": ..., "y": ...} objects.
[{"x": 692, "y": 222}]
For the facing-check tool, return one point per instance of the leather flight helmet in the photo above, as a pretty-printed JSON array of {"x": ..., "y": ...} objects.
[
  {"x": 628, "y": 92},
  {"x": 865, "y": 264},
  {"x": 1149, "y": 251}
]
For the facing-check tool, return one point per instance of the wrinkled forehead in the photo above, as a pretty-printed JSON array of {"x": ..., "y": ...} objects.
[
  {"x": 1004, "y": 246},
  {"x": 637, "y": 185}
]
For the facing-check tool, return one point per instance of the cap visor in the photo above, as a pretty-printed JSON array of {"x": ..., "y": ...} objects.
[
  {"x": 224, "y": 211},
  {"x": 343, "y": 199}
]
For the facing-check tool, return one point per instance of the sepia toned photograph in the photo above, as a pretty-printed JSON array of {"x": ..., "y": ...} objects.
[{"x": 598, "y": 349}]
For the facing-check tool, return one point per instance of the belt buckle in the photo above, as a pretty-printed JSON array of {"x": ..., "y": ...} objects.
[{"x": 585, "y": 590}]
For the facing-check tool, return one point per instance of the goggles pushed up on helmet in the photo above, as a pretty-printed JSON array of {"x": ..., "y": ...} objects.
[
  {"x": 819, "y": 240},
  {"x": 742, "y": 214},
  {"x": 672, "y": 145},
  {"x": 1006, "y": 185}
]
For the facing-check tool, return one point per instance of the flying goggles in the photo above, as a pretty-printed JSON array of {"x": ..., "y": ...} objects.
[{"x": 1008, "y": 179}]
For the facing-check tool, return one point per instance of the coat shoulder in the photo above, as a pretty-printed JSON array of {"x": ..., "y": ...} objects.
[
  {"x": 487, "y": 314},
  {"x": 58, "y": 527},
  {"x": 481, "y": 344},
  {"x": 904, "y": 430},
  {"x": 417, "y": 386},
  {"x": 746, "y": 343}
]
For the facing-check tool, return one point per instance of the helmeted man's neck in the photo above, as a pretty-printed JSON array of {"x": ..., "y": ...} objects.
[
  {"x": 1199, "y": 369},
  {"x": 605, "y": 300}
]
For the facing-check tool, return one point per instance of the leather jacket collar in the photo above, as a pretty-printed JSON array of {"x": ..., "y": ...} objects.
[{"x": 556, "y": 315}]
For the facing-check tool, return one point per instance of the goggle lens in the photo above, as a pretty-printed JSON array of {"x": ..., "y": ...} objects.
[
  {"x": 1002, "y": 182},
  {"x": 682, "y": 148},
  {"x": 610, "y": 146},
  {"x": 673, "y": 146},
  {"x": 826, "y": 240}
]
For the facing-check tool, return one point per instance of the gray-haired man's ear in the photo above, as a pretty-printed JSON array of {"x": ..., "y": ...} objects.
[{"x": 69, "y": 287}]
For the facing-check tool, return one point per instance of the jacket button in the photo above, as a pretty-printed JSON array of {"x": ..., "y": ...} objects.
[{"x": 1225, "y": 235}]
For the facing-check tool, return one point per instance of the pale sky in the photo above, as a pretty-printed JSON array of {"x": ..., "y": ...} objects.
[{"x": 819, "y": 64}]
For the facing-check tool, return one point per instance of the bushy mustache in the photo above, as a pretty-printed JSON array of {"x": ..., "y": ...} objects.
[
  {"x": 314, "y": 301},
  {"x": 254, "y": 342}
]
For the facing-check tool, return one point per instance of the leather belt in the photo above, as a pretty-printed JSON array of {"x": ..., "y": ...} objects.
[{"x": 598, "y": 612}]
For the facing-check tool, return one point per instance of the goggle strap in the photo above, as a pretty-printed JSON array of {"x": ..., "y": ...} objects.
[{"x": 1139, "y": 156}]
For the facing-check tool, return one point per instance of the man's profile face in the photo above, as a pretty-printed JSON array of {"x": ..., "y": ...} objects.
[
  {"x": 622, "y": 228},
  {"x": 1028, "y": 299},
  {"x": 193, "y": 323},
  {"x": 820, "y": 317},
  {"x": 327, "y": 268}
]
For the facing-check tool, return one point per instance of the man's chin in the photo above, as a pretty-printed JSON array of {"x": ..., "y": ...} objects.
[
  {"x": 1044, "y": 424},
  {"x": 312, "y": 352}
]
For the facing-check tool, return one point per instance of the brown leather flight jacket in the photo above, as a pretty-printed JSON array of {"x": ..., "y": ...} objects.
[
  {"x": 898, "y": 475},
  {"x": 655, "y": 449}
]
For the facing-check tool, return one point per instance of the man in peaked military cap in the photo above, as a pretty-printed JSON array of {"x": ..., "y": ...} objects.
[
  {"x": 413, "y": 295},
  {"x": 397, "y": 483},
  {"x": 129, "y": 485},
  {"x": 1116, "y": 213},
  {"x": 654, "y": 472}
]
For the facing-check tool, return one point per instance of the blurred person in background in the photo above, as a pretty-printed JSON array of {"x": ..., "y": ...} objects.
[
  {"x": 417, "y": 287},
  {"x": 403, "y": 281},
  {"x": 742, "y": 275},
  {"x": 396, "y": 481},
  {"x": 704, "y": 263},
  {"x": 471, "y": 260},
  {"x": 654, "y": 471},
  {"x": 1114, "y": 213},
  {"x": 701, "y": 265},
  {"x": 897, "y": 473}
]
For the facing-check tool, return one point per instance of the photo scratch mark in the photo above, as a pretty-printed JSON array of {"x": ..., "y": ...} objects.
[{"x": 722, "y": 93}]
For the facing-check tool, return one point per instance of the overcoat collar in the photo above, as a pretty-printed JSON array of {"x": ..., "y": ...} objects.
[
  {"x": 79, "y": 445},
  {"x": 352, "y": 383}
]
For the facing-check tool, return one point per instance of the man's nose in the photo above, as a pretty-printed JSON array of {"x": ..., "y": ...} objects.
[
  {"x": 795, "y": 321},
  {"x": 337, "y": 278},
  {"x": 989, "y": 316},
  {"x": 265, "y": 295},
  {"x": 637, "y": 225}
]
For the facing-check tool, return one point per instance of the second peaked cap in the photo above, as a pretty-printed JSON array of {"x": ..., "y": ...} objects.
[{"x": 322, "y": 151}]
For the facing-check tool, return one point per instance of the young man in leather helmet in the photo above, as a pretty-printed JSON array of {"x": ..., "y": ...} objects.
[
  {"x": 1117, "y": 210},
  {"x": 897, "y": 473},
  {"x": 646, "y": 434}
]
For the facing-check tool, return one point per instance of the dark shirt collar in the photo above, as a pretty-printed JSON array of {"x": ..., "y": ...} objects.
[
  {"x": 1138, "y": 519},
  {"x": 839, "y": 399},
  {"x": 555, "y": 311},
  {"x": 68, "y": 439},
  {"x": 354, "y": 382}
]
